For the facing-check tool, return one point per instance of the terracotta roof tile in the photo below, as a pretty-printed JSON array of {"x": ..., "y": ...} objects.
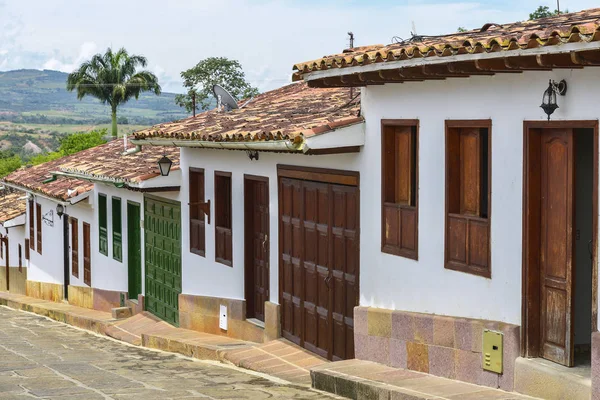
[
  {"x": 102, "y": 162},
  {"x": 288, "y": 113},
  {"x": 11, "y": 205},
  {"x": 583, "y": 26},
  {"x": 108, "y": 162}
]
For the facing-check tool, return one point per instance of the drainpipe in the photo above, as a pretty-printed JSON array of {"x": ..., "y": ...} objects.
[{"x": 127, "y": 151}]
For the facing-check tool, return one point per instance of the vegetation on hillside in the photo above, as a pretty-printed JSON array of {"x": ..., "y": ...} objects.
[
  {"x": 544, "y": 12},
  {"x": 200, "y": 79},
  {"x": 113, "y": 79},
  {"x": 70, "y": 144}
]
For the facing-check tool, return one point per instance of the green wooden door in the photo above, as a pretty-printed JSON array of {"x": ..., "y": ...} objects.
[
  {"x": 162, "y": 229},
  {"x": 134, "y": 250}
]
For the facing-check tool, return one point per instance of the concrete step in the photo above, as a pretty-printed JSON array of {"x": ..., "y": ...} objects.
[
  {"x": 542, "y": 378},
  {"x": 355, "y": 379}
]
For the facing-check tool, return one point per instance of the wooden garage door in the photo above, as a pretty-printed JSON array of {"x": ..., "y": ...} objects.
[
  {"x": 319, "y": 265},
  {"x": 162, "y": 230}
]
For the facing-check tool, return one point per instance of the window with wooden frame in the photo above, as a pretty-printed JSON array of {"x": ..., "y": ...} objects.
[
  {"x": 197, "y": 218},
  {"x": 103, "y": 225},
  {"x": 87, "y": 255},
  {"x": 117, "y": 229},
  {"x": 468, "y": 189},
  {"x": 74, "y": 247},
  {"x": 399, "y": 174},
  {"x": 27, "y": 249},
  {"x": 31, "y": 226},
  {"x": 223, "y": 236},
  {"x": 38, "y": 224}
]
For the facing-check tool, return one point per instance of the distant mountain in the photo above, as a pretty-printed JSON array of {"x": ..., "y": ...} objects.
[{"x": 33, "y": 96}]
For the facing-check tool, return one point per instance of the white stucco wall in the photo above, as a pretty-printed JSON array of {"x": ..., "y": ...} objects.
[
  {"x": 84, "y": 213},
  {"x": 16, "y": 237},
  {"x": 424, "y": 285},
  {"x": 48, "y": 266},
  {"x": 202, "y": 275},
  {"x": 393, "y": 282}
]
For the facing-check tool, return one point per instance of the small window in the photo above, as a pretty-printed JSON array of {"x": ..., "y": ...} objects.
[
  {"x": 223, "y": 234},
  {"x": 399, "y": 182},
  {"x": 117, "y": 229},
  {"x": 197, "y": 217},
  {"x": 27, "y": 249},
  {"x": 87, "y": 255},
  {"x": 38, "y": 224},
  {"x": 468, "y": 197},
  {"x": 102, "y": 223}
]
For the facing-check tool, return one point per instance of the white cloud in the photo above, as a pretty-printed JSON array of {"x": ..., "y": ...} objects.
[{"x": 266, "y": 36}]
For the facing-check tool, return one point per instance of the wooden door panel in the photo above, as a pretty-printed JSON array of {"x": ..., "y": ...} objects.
[
  {"x": 556, "y": 245},
  {"x": 319, "y": 228}
]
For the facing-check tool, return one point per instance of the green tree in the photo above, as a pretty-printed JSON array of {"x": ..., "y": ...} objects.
[
  {"x": 199, "y": 81},
  {"x": 73, "y": 143},
  {"x": 113, "y": 79},
  {"x": 544, "y": 12},
  {"x": 9, "y": 164},
  {"x": 461, "y": 29}
]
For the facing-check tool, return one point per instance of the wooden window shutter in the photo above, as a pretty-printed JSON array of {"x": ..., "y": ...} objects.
[
  {"x": 87, "y": 255},
  {"x": 31, "y": 226},
  {"x": 117, "y": 229},
  {"x": 75, "y": 247},
  {"x": 103, "y": 225},
  {"x": 223, "y": 232},
  {"x": 27, "y": 249},
  {"x": 38, "y": 222},
  {"x": 467, "y": 200},
  {"x": 399, "y": 190},
  {"x": 197, "y": 218}
]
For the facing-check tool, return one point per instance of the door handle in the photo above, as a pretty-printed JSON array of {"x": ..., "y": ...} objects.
[
  {"x": 327, "y": 280},
  {"x": 264, "y": 243}
]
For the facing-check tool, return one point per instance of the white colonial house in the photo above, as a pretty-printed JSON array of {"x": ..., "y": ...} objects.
[
  {"x": 13, "y": 248},
  {"x": 444, "y": 223}
]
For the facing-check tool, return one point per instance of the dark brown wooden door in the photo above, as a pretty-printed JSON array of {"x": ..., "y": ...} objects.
[
  {"x": 319, "y": 265},
  {"x": 556, "y": 245},
  {"x": 257, "y": 246},
  {"x": 75, "y": 247},
  {"x": 87, "y": 255}
]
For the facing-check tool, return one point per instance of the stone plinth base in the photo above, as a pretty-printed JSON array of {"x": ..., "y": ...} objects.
[
  {"x": 45, "y": 291},
  {"x": 95, "y": 299},
  {"x": 449, "y": 347},
  {"x": 17, "y": 280},
  {"x": 201, "y": 313}
]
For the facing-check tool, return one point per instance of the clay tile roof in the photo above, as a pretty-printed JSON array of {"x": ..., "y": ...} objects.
[
  {"x": 290, "y": 113},
  {"x": 11, "y": 205},
  {"x": 108, "y": 163},
  {"x": 583, "y": 26},
  {"x": 102, "y": 162}
]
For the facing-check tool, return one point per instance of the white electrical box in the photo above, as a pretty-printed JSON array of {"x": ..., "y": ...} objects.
[{"x": 223, "y": 318}]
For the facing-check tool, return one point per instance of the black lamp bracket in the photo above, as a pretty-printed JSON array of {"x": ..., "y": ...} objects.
[{"x": 560, "y": 87}]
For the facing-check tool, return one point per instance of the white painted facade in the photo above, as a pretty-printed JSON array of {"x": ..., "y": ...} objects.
[
  {"x": 16, "y": 237},
  {"x": 388, "y": 281},
  {"x": 83, "y": 212}
]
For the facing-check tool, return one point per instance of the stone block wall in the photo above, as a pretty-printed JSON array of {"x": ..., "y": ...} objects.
[
  {"x": 81, "y": 296},
  {"x": 18, "y": 280},
  {"x": 45, "y": 291},
  {"x": 450, "y": 347},
  {"x": 95, "y": 299},
  {"x": 201, "y": 313}
]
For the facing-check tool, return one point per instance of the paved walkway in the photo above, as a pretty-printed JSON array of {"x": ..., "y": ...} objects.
[
  {"x": 44, "y": 359},
  {"x": 368, "y": 380},
  {"x": 280, "y": 358}
]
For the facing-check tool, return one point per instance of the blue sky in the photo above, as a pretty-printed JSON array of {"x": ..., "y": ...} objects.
[{"x": 267, "y": 37}]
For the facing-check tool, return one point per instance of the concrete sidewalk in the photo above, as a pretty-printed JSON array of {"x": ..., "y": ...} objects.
[{"x": 279, "y": 358}]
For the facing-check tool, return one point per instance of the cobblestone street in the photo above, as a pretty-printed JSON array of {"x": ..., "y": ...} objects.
[{"x": 43, "y": 359}]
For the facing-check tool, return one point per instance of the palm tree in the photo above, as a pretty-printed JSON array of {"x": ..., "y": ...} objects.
[{"x": 112, "y": 79}]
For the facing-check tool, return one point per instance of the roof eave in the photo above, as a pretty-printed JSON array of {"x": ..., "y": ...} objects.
[
  {"x": 270, "y": 145},
  {"x": 419, "y": 62}
]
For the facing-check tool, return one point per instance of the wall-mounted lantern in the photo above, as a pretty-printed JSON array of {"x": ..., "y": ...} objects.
[
  {"x": 252, "y": 154},
  {"x": 60, "y": 210},
  {"x": 164, "y": 164},
  {"x": 549, "y": 99}
]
